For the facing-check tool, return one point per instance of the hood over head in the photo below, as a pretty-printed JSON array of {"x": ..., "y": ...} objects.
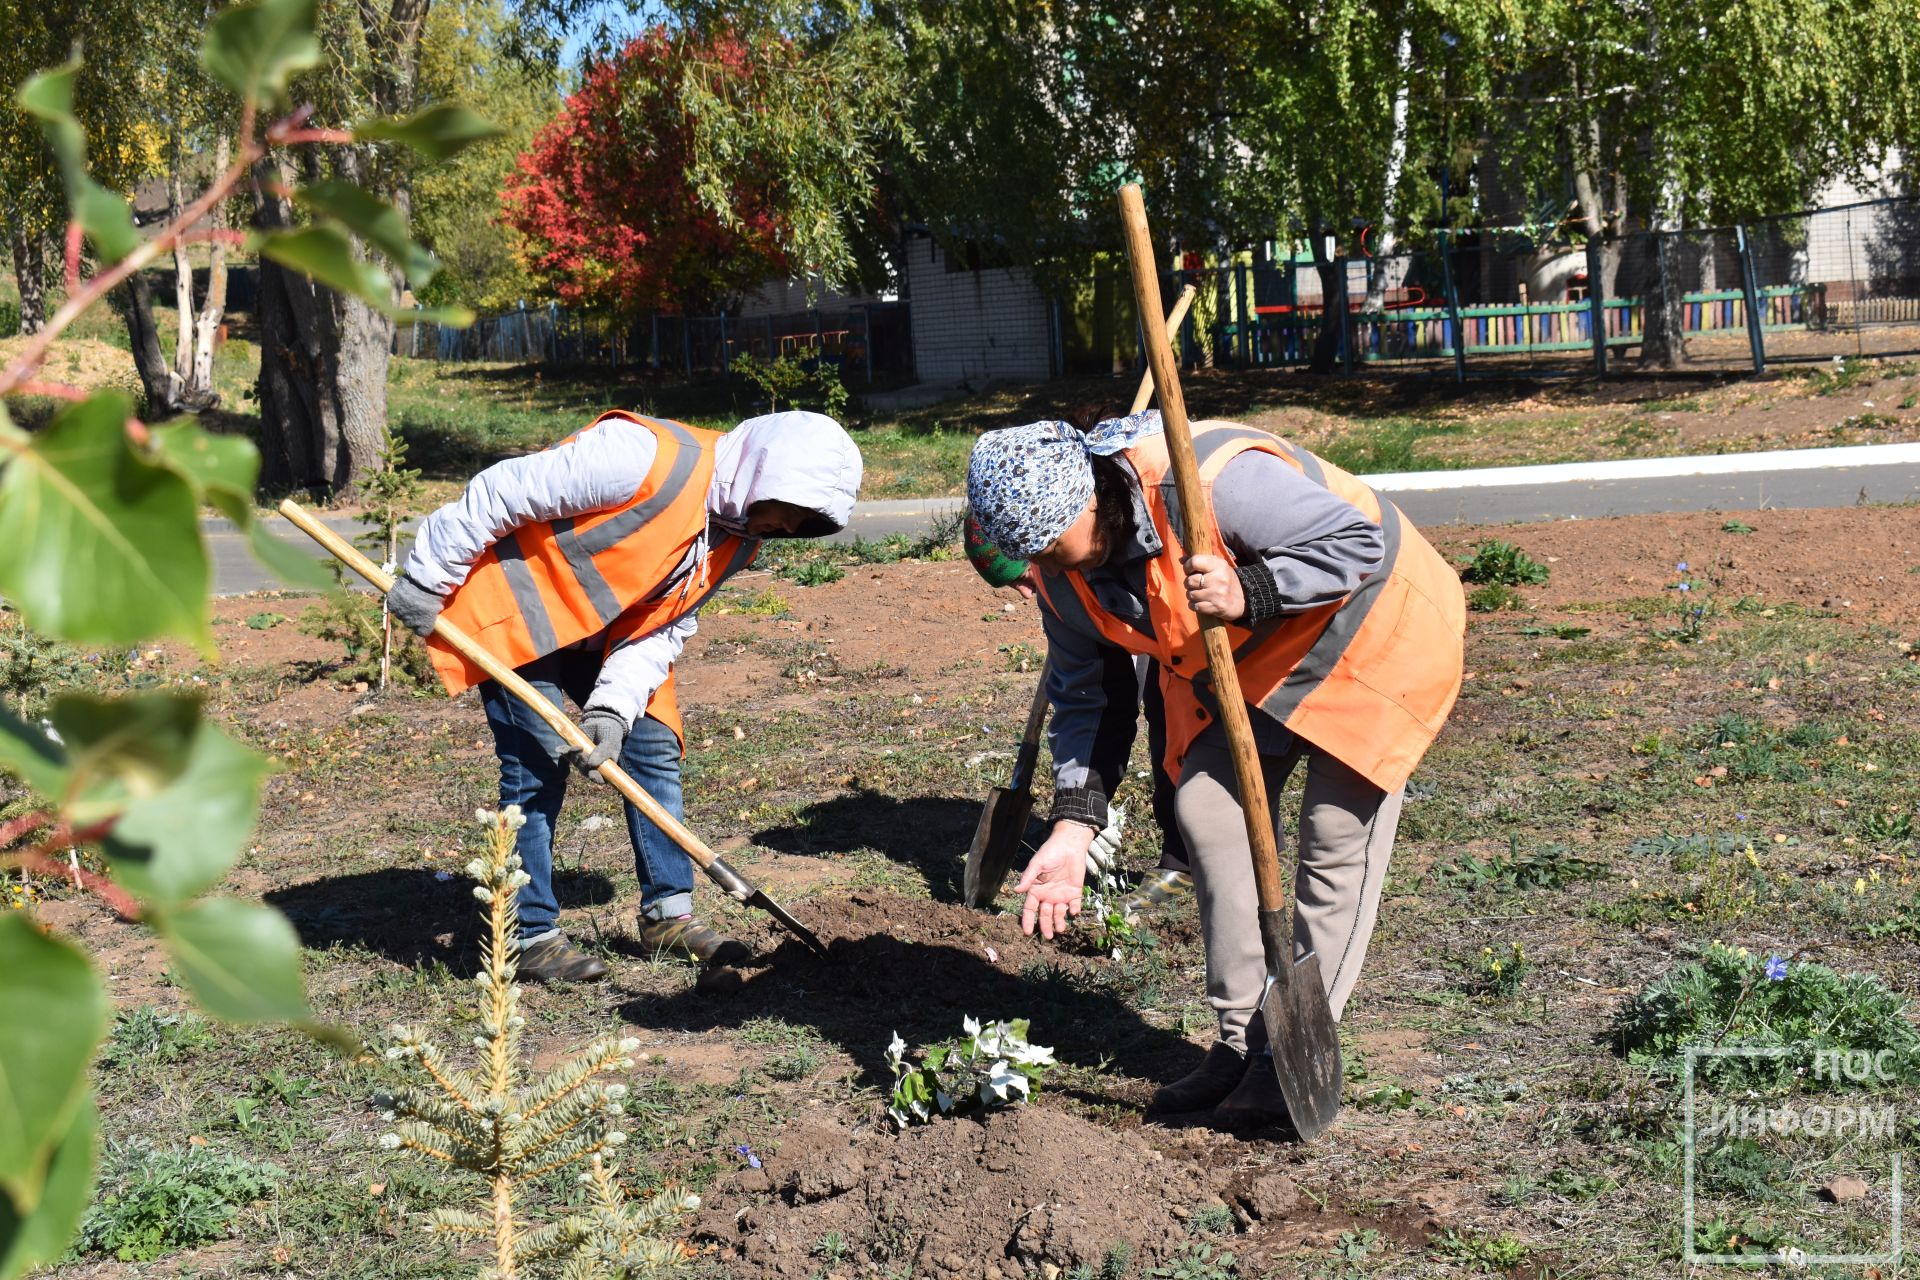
[{"x": 804, "y": 458}]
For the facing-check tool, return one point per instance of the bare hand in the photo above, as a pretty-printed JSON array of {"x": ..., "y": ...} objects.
[
  {"x": 1054, "y": 879},
  {"x": 1213, "y": 589}
]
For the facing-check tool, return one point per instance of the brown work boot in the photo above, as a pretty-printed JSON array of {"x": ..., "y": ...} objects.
[
  {"x": 1257, "y": 1103},
  {"x": 1155, "y": 892},
  {"x": 554, "y": 959},
  {"x": 687, "y": 937},
  {"x": 1202, "y": 1088}
]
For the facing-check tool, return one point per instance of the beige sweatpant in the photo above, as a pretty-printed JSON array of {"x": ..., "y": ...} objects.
[{"x": 1346, "y": 835}]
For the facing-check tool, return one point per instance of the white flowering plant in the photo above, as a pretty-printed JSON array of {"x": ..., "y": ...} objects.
[{"x": 995, "y": 1066}]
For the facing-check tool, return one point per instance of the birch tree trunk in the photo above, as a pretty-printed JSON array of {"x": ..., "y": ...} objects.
[
  {"x": 182, "y": 273},
  {"x": 30, "y": 270},
  {"x": 1385, "y": 243},
  {"x": 198, "y": 391}
]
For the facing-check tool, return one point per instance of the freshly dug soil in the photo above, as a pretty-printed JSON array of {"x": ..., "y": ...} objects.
[{"x": 981, "y": 1199}]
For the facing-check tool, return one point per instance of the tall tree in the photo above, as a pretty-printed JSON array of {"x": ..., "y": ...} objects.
[
  {"x": 602, "y": 198},
  {"x": 464, "y": 59},
  {"x": 42, "y": 35},
  {"x": 324, "y": 354}
]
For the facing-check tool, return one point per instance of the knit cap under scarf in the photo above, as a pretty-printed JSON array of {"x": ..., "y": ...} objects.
[{"x": 1026, "y": 485}]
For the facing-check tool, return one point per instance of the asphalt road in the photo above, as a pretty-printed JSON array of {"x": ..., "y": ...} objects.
[{"x": 1750, "y": 482}]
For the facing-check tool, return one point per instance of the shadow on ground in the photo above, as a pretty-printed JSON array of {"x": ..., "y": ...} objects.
[
  {"x": 409, "y": 916},
  {"x": 927, "y": 833},
  {"x": 867, "y": 989}
]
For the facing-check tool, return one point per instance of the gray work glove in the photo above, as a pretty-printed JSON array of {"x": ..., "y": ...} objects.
[
  {"x": 414, "y": 605},
  {"x": 1103, "y": 855},
  {"x": 608, "y": 732}
]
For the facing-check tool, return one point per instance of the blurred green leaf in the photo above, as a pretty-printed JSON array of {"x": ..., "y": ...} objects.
[
  {"x": 215, "y": 464},
  {"x": 41, "y": 1234},
  {"x": 375, "y": 221},
  {"x": 254, "y": 49},
  {"x": 79, "y": 504},
  {"x": 37, "y": 759},
  {"x": 101, "y": 213},
  {"x": 288, "y": 561},
  {"x": 224, "y": 469},
  {"x": 240, "y": 960},
  {"x": 325, "y": 254},
  {"x": 180, "y": 841},
  {"x": 55, "y": 1014},
  {"x": 438, "y": 133},
  {"x": 122, "y": 750}
]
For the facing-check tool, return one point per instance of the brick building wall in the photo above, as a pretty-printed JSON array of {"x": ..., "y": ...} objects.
[{"x": 975, "y": 326}]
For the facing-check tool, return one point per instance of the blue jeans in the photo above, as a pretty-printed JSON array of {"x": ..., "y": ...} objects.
[{"x": 533, "y": 775}]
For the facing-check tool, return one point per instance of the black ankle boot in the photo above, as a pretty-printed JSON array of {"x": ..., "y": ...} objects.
[
  {"x": 1257, "y": 1102},
  {"x": 1205, "y": 1085}
]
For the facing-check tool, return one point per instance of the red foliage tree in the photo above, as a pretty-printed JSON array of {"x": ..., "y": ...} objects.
[{"x": 602, "y": 202}]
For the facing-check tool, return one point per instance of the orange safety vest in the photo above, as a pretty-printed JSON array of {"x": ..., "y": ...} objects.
[
  {"x": 554, "y": 583},
  {"x": 1369, "y": 679}
]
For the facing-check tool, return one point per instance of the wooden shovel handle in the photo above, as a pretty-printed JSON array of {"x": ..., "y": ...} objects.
[
  {"x": 1198, "y": 538},
  {"x": 461, "y": 643},
  {"x": 1179, "y": 313}
]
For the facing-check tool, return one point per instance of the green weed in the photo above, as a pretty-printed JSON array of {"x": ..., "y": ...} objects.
[
  {"x": 1730, "y": 996},
  {"x": 1844, "y": 375},
  {"x": 1500, "y": 973},
  {"x": 146, "y": 1035},
  {"x": 1198, "y": 1262},
  {"x": 155, "y": 1201},
  {"x": 1211, "y": 1220},
  {"x": 767, "y": 603},
  {"x": 811, "y": 573},
  {"x": 1478, "y": 1249},
  {"x": 1549, "y": 868},
  {"x": 1498, "y": 563},
  {"x": 264, "y": 621},
  {"x": 1736, "y": 526},
  {"x": 1494, "y": 597}
]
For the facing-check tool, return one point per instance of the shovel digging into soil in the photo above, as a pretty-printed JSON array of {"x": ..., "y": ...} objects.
[
  {"x": 1003, "y": 819},
  {"x": 1299, "y": 1021},
  {"x": 731, "y": 882}
]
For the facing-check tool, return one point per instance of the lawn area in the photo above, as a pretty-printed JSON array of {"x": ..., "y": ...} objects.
[
  {"x": 1625, "y": 784},
  {"x": 458, "y": 418}
]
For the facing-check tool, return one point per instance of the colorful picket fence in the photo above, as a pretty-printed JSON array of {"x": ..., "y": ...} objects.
[{"x": 1427, "y": 333}]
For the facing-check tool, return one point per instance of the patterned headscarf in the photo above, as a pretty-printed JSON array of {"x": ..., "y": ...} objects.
[{"x": 1026, "y": 485}]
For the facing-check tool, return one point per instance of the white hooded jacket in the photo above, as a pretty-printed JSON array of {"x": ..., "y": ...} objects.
[{"x": 803, "y": 458}]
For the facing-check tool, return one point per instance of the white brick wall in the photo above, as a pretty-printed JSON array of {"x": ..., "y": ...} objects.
[{"x": 975, "y": 326}]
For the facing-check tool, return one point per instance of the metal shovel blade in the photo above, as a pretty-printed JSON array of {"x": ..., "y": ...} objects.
[
  {"x": 996, "y": 839},
  {"x": 787, "y": 922},
  {"x": 1302, "y": 1034}
]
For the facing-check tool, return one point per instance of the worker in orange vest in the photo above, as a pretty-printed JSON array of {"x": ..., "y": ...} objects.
[
  {"x": 1347, "y": 630},
  {"x": 583, "y": 566}
]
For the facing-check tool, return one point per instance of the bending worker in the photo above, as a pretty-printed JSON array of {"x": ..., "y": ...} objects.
[
  {"x": 583, "y": 566},
  {"x": 1348, "y": 631},
  {"x": 1126, "y": 678}
]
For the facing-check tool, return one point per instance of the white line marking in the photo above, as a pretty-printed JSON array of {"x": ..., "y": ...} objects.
[{"x": 1719, "y": 464}]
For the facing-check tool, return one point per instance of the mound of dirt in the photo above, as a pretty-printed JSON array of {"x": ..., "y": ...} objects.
[{"x": 1016, "y": 1191}]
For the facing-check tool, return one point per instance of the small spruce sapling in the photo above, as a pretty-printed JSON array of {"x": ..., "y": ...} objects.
[
  {"x": 994, "y": 1067},
  {"x": 390, "y": 495},
  {"x": 493, "y": 1123}
]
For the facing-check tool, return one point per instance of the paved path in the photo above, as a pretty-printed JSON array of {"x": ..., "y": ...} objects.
[{"x": 1839, "y": 477}]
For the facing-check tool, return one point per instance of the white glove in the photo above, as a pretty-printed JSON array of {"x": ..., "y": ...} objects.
[{"x": 1104, "y": 853}]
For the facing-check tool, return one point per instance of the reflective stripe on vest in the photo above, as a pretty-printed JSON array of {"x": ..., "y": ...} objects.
[
  {"x": 548, "y": 585},
  {"x": 1368, "y": 679}
]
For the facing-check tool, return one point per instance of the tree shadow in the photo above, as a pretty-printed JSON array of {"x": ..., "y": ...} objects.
[
  {"x": 409, "y": 915},
  {"x": 928, "y": 833},
  {"x": 868, "y": 989}
]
